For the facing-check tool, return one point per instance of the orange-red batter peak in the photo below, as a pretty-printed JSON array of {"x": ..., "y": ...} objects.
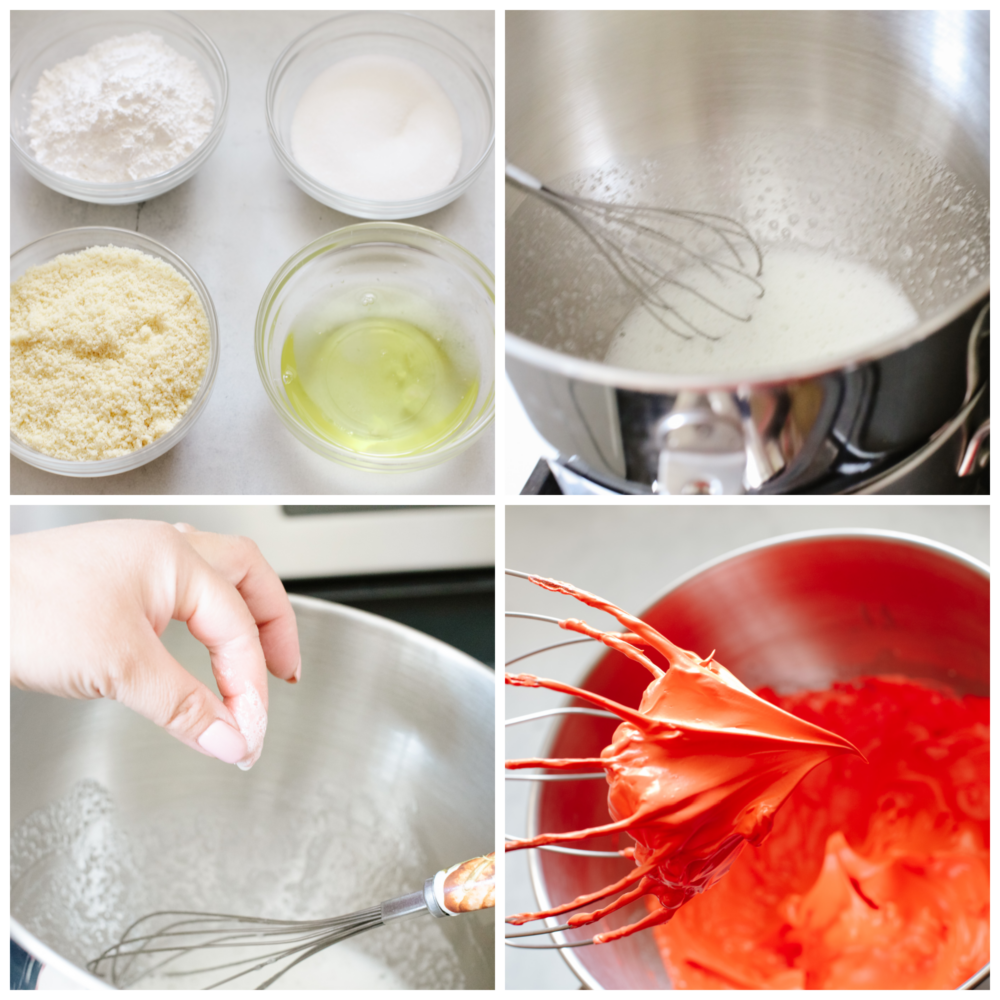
[
  {"x": 705, "y": 695},
  {"x": 707, "y": 760},
  {"x": 875, "y": 875},
  {"x": 698, "y": 770}
]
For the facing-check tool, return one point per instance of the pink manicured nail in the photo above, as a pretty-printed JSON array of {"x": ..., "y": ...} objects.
[
  {"x": 298, "y": 672},
  {"x": 223, "y": 742}
]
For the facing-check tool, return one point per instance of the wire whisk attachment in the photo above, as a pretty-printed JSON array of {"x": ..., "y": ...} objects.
[
  {"x": 687, "y": 268},
  {"x": 513, "y": 939},
  {"x": 210, "y": 950}
]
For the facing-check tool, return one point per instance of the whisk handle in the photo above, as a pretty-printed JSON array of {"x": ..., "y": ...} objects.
[
  {"x": 522, "y": 177},
  {"x": 460, "y": 889},
  {"x": 465, "y": 887}
]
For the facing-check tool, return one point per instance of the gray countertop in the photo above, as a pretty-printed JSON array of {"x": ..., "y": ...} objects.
[
  {"x": 236, "y": 221},
  {"x": 629, "y": 555}
]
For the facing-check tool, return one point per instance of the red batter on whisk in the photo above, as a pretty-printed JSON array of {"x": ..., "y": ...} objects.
[
  {"x": 698, "y": 771},
  {"x": 875, "y": 876}
]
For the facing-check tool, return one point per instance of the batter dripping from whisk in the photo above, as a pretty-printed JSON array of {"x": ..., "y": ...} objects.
[
  {"x": 876, "y": 875},
  {"x": 698, "y": 771}
]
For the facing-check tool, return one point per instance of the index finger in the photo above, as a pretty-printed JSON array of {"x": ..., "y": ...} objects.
[{"x": 239, "y": 561}]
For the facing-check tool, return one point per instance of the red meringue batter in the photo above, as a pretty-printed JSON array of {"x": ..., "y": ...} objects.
[
  {"x": 697, "y": 772},
  {"x": 868, "y": 872},
  {"x": 875, "y": 875}
]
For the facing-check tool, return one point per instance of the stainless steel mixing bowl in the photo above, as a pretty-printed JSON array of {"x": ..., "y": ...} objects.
[
  {"x": 793, "y": 613},
  {"x": 393, "y": 726},
  {"x": 589, "y": 88}
]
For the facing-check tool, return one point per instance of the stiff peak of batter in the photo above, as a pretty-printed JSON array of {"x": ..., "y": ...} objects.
[{"x": 694, "y": 774}]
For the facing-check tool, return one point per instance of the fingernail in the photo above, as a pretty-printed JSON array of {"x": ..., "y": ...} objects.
[
  {"x": 294, "y": 679},
  {"x": 223, "y": 742}
]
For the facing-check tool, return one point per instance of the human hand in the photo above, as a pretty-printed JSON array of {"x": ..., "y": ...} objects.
[{"x": 89, "y": 602}]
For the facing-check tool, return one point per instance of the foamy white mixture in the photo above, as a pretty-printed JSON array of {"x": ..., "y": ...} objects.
[
  {"x": 861, "y": 234},
  {"x": 339, "y": 967},
  {"x": 377, "y": 127},
  {"x": 81, "y": 873},
  {"x": 816, "y": 307}
]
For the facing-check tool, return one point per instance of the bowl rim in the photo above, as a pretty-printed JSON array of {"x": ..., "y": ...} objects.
[
  {"x": 38, "y": 949},
  {"x": 366, "y": 208},
  {"x": 145, "y": 187},
  {"x": 451, "y": 445},
  {"x": 129, "y": 462},
  {"x": 819, "y": 534}
]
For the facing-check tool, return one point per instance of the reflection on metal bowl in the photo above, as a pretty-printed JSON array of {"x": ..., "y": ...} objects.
[
  {"x": 820, "y": 131},
  {"x": 377, "y": 771},
  {"x": 795, "y": 613}
]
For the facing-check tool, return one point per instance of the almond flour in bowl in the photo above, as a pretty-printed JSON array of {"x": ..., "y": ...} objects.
[{"x": 114, "y": 348}]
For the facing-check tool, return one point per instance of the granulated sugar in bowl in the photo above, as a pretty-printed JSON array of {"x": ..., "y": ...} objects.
[
  {"x": 381, "y": 115},
  {"x": 114, "y": 349}
]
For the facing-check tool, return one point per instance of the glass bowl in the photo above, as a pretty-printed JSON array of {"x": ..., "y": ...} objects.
[
  {"x": 381, "y": 262},
  {"x": 65, "y": 35},
  {"x": 73, "y": 241},
  {"x": 453, "y": 65}
]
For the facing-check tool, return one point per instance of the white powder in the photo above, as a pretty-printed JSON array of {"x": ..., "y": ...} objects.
[
  {"x": 377, "y": 127},
  {"x": 129, "y": 108},
  {"x": 250, "y": 716}
]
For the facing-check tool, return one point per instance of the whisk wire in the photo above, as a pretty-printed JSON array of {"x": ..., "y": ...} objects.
[
  {"x": 636, "y": 239},
  {"x": 200, "y": 932},
  {"x": 510, "y": 938},
  {"x": 545, "y": 649}
]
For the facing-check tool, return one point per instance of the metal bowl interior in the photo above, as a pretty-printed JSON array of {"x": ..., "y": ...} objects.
[
  {"x": 377, "y": 772},
  {"x": 68, "y": 241},
  {"x": 795, "y": 614},
  {"x": 759, "y": 116},
  {"x": 68, "y": 35}
]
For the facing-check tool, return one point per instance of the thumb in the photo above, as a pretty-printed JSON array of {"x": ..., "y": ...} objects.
[{"x": 166, "y": 694}]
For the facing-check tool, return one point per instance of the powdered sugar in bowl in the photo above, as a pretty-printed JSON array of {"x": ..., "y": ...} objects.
[
  {"x": 400, "y": 91},
  {"x": 196, "y": 82}
]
